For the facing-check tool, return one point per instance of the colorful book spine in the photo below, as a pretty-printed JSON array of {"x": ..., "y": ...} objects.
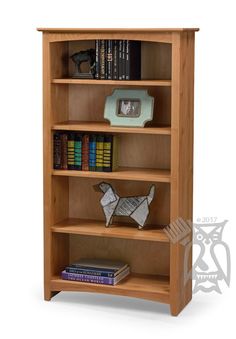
[
  {"x": 109, "y": 59},
  {"x": 92, "y": 152},
  {"x": 107, "y": 153},
  {"x": 85, "y": 152},
  {"x": 97, "y": 59},
  {"x": 86, "y": 271},
  {"x": 78, "y": 151},
  {"x": 99, "y": 153},
  {"x": 64, "y": 160},
  {"x": 87, "y": 278},
  {"x": 57, "y": 150},
  {"x": 71, "y": 151},
  {"x": 102, "y": 60},
  {"x": 115, "y": 58}
]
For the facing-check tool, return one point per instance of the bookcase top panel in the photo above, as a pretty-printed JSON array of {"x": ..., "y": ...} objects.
[{"x": 114, "y": 30}]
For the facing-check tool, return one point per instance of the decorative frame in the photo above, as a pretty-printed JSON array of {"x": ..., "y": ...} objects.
[{"x": 129, "y": 108}]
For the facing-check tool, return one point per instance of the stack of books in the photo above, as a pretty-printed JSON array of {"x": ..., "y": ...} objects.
[
  {"x": 85, "y": 152},
  {"x": 118, "y": 60},
  {"x": 97, "y": 271}
]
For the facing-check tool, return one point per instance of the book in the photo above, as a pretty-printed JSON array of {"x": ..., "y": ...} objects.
[
  {"x": 110, "y": 156},
  {"x": 78, "y": 151},
  {"x": 112, "y": 266},
  {"x": 109, "y": 59},
  {"x": 57, "y": 150},
  {"x": 123, "y": 58},
  {"x": 110, "y": 273},
  {"x": 120, "y": 60},
  {"x": 102, "y": 59},
  {"x": 95, "y": 279},
  {"x": 133, "y": 60},
  {"x": 115, "y": 56},
  {"x": 99, "y": 153},
  {"x": 71, "y": 151},
  {"x": 85, "y": 152},
  {"x": 97, "y": 59},
  {"x": 92, "y": 152},
  {"x": 64, "y": 151}
]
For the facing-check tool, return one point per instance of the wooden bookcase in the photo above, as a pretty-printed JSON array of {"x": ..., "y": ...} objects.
[{"x": 161, "y": 153}]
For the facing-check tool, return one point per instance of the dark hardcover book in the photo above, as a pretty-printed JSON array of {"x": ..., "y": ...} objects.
[
  {"x": 89, "y": 271},
  {"x": 94, "y": 278},
  {"x": 78, "y": 151},
  {"x": 85, "y": 152},
  {"x": 106, "y": 58},
  {"x": 97, "y": 59},
  {"x": 71, "y": 151},
  {"x": 99, "y": 153},
  {"x": 64, "y": 151},
  {"x": 133, "y": 60},
  {"x": 120, "y": 62},
  {"x": 123, "y": 58},
  {"x": 115, "y": 58},
  {"x": 100, "y": 264},
  {"x": 109, "y": 59},
  {"x": 57, "y": 159},
  {"x": 92, "y": 152},
  {"x": 102, "y": 60}
]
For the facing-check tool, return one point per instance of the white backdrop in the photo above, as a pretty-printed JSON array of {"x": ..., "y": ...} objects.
[{"x": 25, "y": 314}]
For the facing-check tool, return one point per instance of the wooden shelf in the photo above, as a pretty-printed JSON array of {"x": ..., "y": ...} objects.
[
  {"x": 123, "y": 173},
  {"x": 97, "y": 126},
  {"x": 97, "y": 228},
  {"x": 71, "y": 81},
  {"x": 149, "y": 287}
]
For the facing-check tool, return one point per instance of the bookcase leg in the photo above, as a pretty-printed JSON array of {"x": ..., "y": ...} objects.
[{"x": 48, "y": 295}]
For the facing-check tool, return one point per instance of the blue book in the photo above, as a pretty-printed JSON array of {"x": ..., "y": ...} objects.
[
  {"x": 95, "y": 279},
  {"x": 92, "y": 152}
]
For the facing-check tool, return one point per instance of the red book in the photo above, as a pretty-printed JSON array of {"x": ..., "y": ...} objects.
[{"x": 85, "y": 153}]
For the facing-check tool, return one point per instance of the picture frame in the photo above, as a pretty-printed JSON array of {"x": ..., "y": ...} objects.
[{"x": 129, "y": 108}]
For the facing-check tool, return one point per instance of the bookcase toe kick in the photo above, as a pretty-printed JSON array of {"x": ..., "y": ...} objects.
[{"x": 155, "y": 288}]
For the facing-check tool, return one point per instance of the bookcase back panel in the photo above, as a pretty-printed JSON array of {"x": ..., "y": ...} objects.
[
  {"x": 142, "y": 256},
  {"x": 155, "y": 59},
  {"x": 147, "y": 151},
  {"x": 60, "y": 198},
  {"x": 84, "y": 202},
  {"x": 87, "y": 102}
]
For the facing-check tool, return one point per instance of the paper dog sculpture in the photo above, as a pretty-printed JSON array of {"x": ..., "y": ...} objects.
[{"x": 136, "y": 208}]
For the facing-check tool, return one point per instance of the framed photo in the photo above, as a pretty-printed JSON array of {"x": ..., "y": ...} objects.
[{"x": 129, "y": 108}]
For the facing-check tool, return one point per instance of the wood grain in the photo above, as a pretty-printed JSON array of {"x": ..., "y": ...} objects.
[
  {"x": 127, "y": 83},
  {"x": 100, "y": 126},
  {"x": 144, "y": 257},
  {"x": 123, "y": 173},
  {"x": 122, "y": 231},
  {"x": 139, "y": 286},
  {"x": 181, "y": 160}
]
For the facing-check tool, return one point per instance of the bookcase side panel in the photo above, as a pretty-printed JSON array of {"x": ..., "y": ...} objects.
[
  {"x": 47, "y": 165},
  {"x": 55, "y": 191},
  {"x": 181, "y": 164}
]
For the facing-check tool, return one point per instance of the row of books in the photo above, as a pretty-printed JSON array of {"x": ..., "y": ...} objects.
[
  {"x": 84, "y": 152},
  {"x": 118, "y": 60},
  {"x": 98, "y": 271}
]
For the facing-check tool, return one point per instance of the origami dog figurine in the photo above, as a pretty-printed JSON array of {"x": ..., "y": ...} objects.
[{"x": 136, "y": 208}]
